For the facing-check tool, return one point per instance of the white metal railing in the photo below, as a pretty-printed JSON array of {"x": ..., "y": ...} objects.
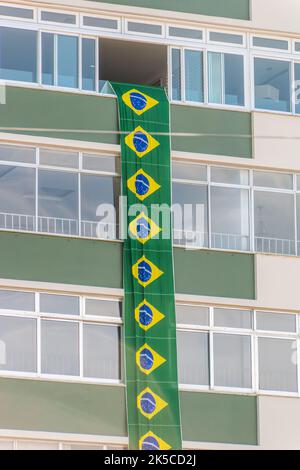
[
  {"x": 275, "y": 245},
  {"x": 108, "y": 231}
]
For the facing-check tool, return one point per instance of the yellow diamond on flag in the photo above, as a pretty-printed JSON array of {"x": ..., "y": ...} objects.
[
  {"x": 147, "y": 316},
  {"x": 138, "y": 101},
  {"x": 143, "y": 228},
  {"x": 142, "y": 185},
  {"x": 149, "y": 403},
  {"x": 152, "y": 442},
  {"x": 145, "y": 271},
  {"x": 141, "y": 142},
  {"x": 148, "y": 360}
]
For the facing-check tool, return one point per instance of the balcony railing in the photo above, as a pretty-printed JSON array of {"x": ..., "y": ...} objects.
[{"x": 108, "y": 231}]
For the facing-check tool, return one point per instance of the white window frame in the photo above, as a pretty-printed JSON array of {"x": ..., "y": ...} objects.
[
  {"x": 225, "y": 43},
  {"x": 59, "y": 12},
  {"x": 99, "y": 29},
  {"x": 18, "y": 19},
  {"x": 141, "y": 34}
]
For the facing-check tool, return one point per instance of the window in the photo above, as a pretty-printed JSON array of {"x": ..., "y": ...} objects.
[
  {"x": 14, "y": 300},
  {"x": 15, "y": 12},
  {"x": 273, "y": 180},
  {"x": 60, "y": 159},
  {"x": 272, "y": 84},
  {"x": 193, "y": 76},
  {"x": 237, "y": 349},
  {"x": 230, "y": 218},
  {"x": 230, "y": 318},
  {"x": 17, "y": 198},
  {"x": 296, "y": 89},
  {"x": 186, "y": 33},
  {"x": 97, "y": 190},
  {"x": 18, "y": 54},
  {"x": 226, "y": 79},
  {"x": 101, "y": 351},
  {"x": 18, "y": 347},
  {"x": 103, "y": 308},
  {"x": 102, "y": 23},
  {"x": 144, "y": 28},
  {"x": 193, "y": 355},
  {"x": 88, "y": 64},
  {"x": 67, "y": 61},
  {"x": 277, "y": 370},
  {"x": 59, "y": 304},
  {"x": 190, "y": 214},
  {"x": 54, "y": 17},
  {"x": 232, "y": 361},
  {"x": 10, "y": 153},
  {"x": 176, "y": 74},
  {"x": 270, "y": 321},
  {"x": 226, "y": 37},
  {"x": 48, "y": 59},
  {"x": 274, "y": 222},
  {"x": 270, "y": 43},
  {"x": 60, "y": 347},
  {"x": 58, "y": 202}
]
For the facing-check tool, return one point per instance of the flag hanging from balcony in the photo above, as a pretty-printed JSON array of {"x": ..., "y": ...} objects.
[{"x": 149, "y": 306}]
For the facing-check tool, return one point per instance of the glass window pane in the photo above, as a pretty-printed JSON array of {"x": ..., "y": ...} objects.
[
  {"x": 10, "y": 153},
  {"x": 232, "y": 361},
  {"x": 193, "y": 76},
  {"x": 56, "y": 158},
  {"x": 144, "y": 28},
  {"x": 60, "y": 304},
  {"x": 17, "y": 198},
  {"x": 48, "y": 59},
  {"x": 184, "y": 171},
  {"x": 58, "y": 202},
  {"x": 82, "y": 447},
  {"x": 270, "y": 43},
  {"x": 273, "y": 180},
  {"x": 176, "y": 75},
  {"x": 15, "y": 300},
  {"x": 230, "y": 318},
  {"x": 103, "y": 163},
  {"x": 296, "y": 90},
  {"x": 298, "y": 222},
  {"x": 297, "y": 46},
  {"x": 18, "y": 54},
  {"x": 193, "y": 354},
  {"x": 105, "y": 23},
  {"x": 16, "y": 12},
  {"x": 97, "y": 191},
  {"x": 215, "y": 80},
  {"x": 229, "y": 175},
  {"x": 234, "y": 79},
  {"x": 185, "y": 33},
  {"x": 67, "y": 61},
  {"x": 88, "y": 64},
  {"x": 225, "y": 37},
  {"x": 277, "y": 370},
  {"x": 272, "y": 84},
  {"x": 274, "y": 223},
  {"x": 18, "y": 344},
  {"x": 60, "y": 347},
  {"x": 103, "y": 308},
  {"x": 58, "y": 17},
  {"x": 190, "y": 214},
  {"x": 101, "y": 351},
  {"x": 192, "y": 315},
  {"x": 276, "y": 321},
  {"x": 230, "y": 218}
]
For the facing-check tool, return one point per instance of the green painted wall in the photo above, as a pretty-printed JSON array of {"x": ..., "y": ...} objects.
[
  {"x": 30, "y": 108},
  {"x": 215, "y": 273},
  {"x": 197, "y": 120},
  {"x": 58, "y": 259},
  {"x": 97, "y": 409},
  {"x": 85, "y": 262},
  {"x": 229, "y": 8}
]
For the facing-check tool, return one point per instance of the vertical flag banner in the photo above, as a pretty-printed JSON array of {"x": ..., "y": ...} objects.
[{"x": 149, "y": 306}]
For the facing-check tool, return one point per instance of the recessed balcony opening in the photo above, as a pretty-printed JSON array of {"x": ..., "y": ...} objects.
[{"x": 133, "y": 62}]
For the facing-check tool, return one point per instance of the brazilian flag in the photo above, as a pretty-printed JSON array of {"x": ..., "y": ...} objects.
[{"x": 149, "y": 306}]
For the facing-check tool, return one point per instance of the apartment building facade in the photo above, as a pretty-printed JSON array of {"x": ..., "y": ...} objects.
[{"x": 231, "y": 70}]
